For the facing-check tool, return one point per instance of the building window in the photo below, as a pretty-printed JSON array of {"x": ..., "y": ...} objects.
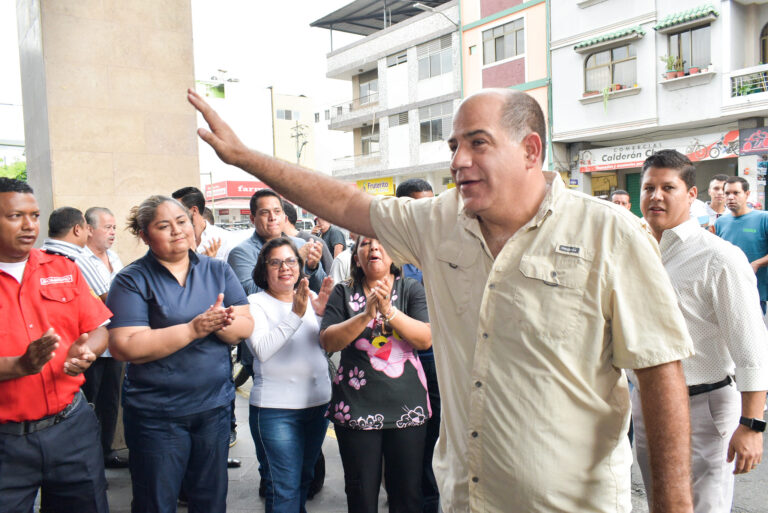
[
  {"x": 398, "y": 119},
  {"x": 327, "y": 114},
  {"x": 435, "y": 121},
  {"x": 504, "y": 41},
  {"x": 764, "y": 44},
  {"x": 288, "y": 115},
  {"x": 435, "y": 57},
  {"x": 368, "y": 87},
  {"x": 317, "y": 117},
  {"x": 398, "y": 58},
  {"x": 615, "y": 66},
  {"x": 692, "y": 46},
  {"x": 369, "y": 140}
]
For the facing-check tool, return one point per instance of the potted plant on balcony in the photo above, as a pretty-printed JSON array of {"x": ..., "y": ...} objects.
[
  {"x": 693, "y": 70},
  {"x": 680, "y": 67},
  {"x": 669, "y": 61},
  {"x": 590, "y": 93}
]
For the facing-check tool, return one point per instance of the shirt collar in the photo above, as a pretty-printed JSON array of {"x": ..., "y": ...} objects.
[
  {"x": 682, "y": 232},
  {"x": 555, "y": 188},
  {"x": 64, "y": 245}
]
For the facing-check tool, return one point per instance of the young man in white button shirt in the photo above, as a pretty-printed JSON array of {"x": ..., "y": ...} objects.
[{"x": 716, "y": 292}]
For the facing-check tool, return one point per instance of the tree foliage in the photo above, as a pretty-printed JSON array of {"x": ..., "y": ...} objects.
[{"x": 17, "y": 170}]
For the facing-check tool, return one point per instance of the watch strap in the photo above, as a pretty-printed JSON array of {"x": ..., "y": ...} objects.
[{"x": 753, "y": 424}]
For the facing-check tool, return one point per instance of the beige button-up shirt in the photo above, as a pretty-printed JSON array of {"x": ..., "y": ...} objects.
[{"x": 530, "y": 347}]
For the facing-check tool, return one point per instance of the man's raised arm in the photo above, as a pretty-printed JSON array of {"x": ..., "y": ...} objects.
[{"x": 340, "y": 203}]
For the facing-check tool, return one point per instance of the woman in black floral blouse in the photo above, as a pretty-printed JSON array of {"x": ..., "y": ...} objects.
[{"x": 379, "y": 404}]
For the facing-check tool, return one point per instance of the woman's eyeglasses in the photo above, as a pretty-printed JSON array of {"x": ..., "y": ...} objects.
[{"x": 276, "y": 263}]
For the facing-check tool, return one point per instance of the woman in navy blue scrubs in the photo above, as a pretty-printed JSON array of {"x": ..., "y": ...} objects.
[{"x": 175, "y": 312}]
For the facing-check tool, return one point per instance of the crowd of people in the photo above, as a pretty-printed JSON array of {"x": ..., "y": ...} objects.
[{"x": 539, "y": 301}]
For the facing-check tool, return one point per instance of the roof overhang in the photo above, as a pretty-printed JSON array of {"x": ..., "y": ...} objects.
[{"x": 364, "y": 17}]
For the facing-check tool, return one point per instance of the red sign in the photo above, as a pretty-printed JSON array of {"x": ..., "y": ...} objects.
[
  {"x": 754, "y": 141},
  {"x": 245, "y": 212},
  {"x": 223, "y": 211},
  {"x": 233, "y": 189}
]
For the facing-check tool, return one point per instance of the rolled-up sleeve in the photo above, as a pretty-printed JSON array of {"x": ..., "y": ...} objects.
[
  {"x": 647, "y": 326},
  {"x": 737, "y": 308}
]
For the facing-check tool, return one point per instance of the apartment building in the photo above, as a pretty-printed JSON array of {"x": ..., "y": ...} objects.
[
  {"x": 404, "y": 81},
  {"x": 505, "y": 44},
  {"x": 629, "y": 78}
]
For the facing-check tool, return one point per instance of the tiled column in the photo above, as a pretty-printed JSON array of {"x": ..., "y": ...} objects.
[{"x": 105, "y": 111}]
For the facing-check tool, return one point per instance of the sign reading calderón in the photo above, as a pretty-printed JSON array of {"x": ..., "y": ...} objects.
[
  {"x": 378, "y": 186},
  {"x": 698, "y": 148}
]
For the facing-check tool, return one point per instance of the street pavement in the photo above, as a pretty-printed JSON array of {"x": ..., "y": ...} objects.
[{"x": 751, "y": 493}]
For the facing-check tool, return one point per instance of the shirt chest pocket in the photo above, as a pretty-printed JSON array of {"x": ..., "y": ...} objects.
[
  {"x": 552, "y": 295},
  {"x": 458, "y": 272},
  {"x": 57, "y": 305}
]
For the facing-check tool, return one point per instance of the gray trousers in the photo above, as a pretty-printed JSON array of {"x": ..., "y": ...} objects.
[{"x": 714, "y": 418}]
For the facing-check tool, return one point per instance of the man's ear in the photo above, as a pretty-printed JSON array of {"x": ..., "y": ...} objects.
[
  {"x": 693, "y": 193},
  {"x": 533, "y": 147}
]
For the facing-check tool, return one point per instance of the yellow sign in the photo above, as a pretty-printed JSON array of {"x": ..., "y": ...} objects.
[{"x": 378, "y": 186}]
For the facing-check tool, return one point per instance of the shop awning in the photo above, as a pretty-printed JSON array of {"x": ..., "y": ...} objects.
[
  {"x": 625, "y": 34},
  {"x": 696, "y": 16}
]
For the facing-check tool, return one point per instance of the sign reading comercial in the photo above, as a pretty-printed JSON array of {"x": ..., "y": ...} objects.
[
  {"x": 378, "y": 186},
  {"x": 698, "y": 148}
]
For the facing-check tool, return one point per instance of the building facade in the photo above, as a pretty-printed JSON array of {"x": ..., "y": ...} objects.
[
  {"x": 505, "y": 44},
  {"x": 404, "y": 78},
  {"x": 630, "y": 78}
]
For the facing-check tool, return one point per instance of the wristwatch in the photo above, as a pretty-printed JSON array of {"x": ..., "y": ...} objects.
[{"x": 753, "y": 424}]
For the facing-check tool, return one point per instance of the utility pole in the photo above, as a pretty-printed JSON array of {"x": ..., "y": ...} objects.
[{"x": 297, "y": 132}]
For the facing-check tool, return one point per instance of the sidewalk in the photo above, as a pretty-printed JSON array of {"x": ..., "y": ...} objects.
[
  {"x": 243, "y": 495},
  {"x": 751, "y": 491}
]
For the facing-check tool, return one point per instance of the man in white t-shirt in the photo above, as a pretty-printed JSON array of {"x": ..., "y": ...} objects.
[{"x": 211, "y": 240}]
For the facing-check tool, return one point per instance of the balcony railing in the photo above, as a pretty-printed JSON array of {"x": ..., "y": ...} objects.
[
  {"x": 745, "y": 82},
  {"x": 350, "y": 162},
  {"x": 344, "y": 109}
]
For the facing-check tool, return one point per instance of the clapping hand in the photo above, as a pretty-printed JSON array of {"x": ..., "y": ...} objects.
[
  {"x": 300, "y": 298},
  {"x": 319, "y": 302},
  {"x": 79, "y": 357},
  {"x": 39, "y": 352},
  {"x": 215, "y": 318},
  {"x": 212, "y": 248},
  {"x": 311, "y": 252}
]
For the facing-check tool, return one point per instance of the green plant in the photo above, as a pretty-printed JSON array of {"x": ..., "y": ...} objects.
[
  {"x": 669, "y": 61},
  {"x": 17, "y": 170},
  {"x": 679, "y": 64},
  {"x": 606, "y": 93}
]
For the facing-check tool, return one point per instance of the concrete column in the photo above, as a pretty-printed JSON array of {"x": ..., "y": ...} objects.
[{"x": 105, "y": 111}]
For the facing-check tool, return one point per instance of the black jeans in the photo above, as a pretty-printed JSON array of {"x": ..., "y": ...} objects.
[
  {"x": 103, "y": 380},
  {"x": 428, "y": 481},
  {"x": 402, "y": 451}
]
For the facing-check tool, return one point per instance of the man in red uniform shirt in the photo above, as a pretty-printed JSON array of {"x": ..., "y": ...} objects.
[{"x": 52, "y": 330}]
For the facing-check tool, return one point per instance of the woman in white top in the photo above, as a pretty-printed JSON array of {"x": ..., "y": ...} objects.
[{"x": 291, "y": 385}]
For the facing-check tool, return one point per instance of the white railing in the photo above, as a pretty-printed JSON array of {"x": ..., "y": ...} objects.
[
  {"x": 748, "y": 81},
  {"x": 356, "y": 162},
  {"x": 344, "y": 109}
]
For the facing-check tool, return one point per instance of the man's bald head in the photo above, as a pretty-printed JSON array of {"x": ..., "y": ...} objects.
[{"x": 519, "y": 113}]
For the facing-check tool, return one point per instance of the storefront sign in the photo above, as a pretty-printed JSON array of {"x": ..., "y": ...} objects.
[
  {"x": 698, "y": 148},
  {"x": 245, "y": 212},
  {"x": 233, "y": 189},
  {"x": 223, "y": 211},
  {"x": 378, "y": 186},
  {"x": 754, "y": 141}
]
